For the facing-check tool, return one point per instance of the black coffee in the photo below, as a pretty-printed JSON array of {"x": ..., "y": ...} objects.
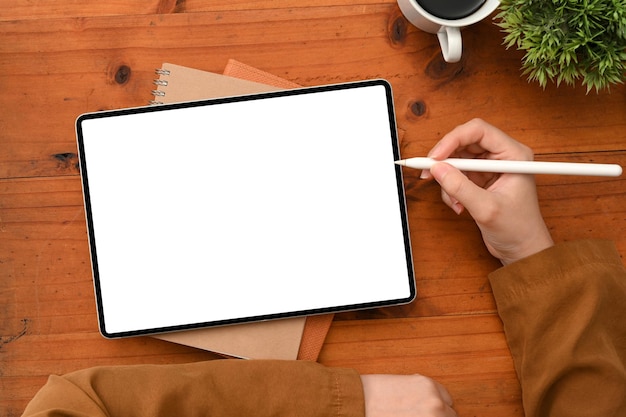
[{"x": 451, "y": 9}]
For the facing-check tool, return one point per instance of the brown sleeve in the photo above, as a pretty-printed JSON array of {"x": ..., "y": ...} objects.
[
  {"x": 564, "y": 314},
  {"x": 228, "y": 388}
]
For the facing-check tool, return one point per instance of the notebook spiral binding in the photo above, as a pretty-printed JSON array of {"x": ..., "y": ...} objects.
[{"x": 159, "y": 82}]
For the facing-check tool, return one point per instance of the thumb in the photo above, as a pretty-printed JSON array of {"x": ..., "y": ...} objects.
[{"x": 457, "y": 186}]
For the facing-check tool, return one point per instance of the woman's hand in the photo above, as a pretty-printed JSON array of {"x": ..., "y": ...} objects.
[
  {"x": 504, "y": 206},
  {"x": 405, "y": 396}
]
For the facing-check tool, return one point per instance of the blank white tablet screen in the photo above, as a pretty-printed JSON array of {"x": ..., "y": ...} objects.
[{"x": 245, "y": 209}]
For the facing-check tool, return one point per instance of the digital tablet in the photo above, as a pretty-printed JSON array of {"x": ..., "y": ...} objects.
[{"x": 245, "y": 208}]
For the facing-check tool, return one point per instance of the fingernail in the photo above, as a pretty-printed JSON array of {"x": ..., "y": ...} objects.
[{"x": 425, "y": 175}]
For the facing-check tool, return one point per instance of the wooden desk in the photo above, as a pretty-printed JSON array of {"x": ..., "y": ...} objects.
[{"x": 60, "y": 59}]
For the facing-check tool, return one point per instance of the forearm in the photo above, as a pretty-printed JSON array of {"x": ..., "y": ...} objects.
[
  {"x": 227, "y": 388},
  {"x": 563, "y": 311}
]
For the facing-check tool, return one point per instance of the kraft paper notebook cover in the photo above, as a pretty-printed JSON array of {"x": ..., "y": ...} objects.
[{"x": 295, "y": 338}]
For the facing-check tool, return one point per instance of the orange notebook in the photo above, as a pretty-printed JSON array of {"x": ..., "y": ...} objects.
[{"x": 293, "y": 338}]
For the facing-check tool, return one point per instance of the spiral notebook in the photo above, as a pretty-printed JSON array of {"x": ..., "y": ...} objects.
[{"x": 293, "y": 338}]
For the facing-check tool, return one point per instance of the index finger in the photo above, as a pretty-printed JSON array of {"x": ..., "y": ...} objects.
[{"x": 476, "y": 138}]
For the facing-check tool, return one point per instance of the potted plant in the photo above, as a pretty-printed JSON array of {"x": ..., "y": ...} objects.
[{"x": 568, "y": 40}]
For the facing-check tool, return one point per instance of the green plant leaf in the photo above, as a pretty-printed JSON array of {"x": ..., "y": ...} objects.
[{"x": 567, "y": 41}]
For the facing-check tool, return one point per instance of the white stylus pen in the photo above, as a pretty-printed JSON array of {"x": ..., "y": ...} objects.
[{"x": 518, "y": 167}]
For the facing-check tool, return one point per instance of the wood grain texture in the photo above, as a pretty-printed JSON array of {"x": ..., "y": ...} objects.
[
  {"x": 108, "y": 62},
  {"x": 60, "y": 59}
]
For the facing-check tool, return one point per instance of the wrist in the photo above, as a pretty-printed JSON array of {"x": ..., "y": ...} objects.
[{"x": 533, "y": 247}]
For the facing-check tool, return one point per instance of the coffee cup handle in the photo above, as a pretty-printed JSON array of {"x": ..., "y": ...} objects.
[{"x": 451, "y": 43}]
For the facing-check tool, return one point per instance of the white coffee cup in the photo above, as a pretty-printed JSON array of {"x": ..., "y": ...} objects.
[{"x": 448, "y": 30}]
